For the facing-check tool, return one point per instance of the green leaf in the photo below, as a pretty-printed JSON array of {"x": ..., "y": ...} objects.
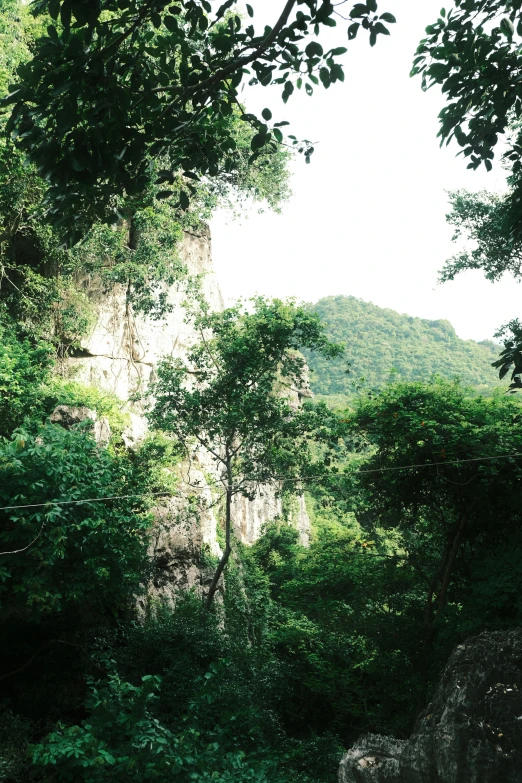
[
  {"x": 266, "y": 114},
  {"x": 324, "y": 75},
  {"x": 287, "y": 91},
  {"x": 358, "y": 11},
  {"x": 258, "y": 141},
  {"x": 171, "y": 23},
  {"x": 378, "y": 27},
  {"x": 164, "y": 194},
  {"x": 353, "y": 30},
  {"x": 314, "y": 49},
  {"x": 387, "y": 17},
  {"x": 250, "y": 10},
  {"x": 507, "y": 27}
]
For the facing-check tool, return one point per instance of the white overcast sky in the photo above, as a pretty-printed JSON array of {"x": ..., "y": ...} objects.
[{"x": 367, "y": 216}]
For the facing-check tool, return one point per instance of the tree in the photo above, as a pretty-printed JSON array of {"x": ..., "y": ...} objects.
[
  {"x": 473, "y": 53},
  {"x": 444, "y": 472},
  {"x": 233, "y": 399},
  {"x": 39, "y": 278},
  {"x": 118, "y": 84}
]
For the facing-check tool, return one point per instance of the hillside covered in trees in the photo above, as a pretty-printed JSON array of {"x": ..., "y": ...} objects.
[
  {"x": 382, "y": 345},
  {"x": 121, "y": 131}
]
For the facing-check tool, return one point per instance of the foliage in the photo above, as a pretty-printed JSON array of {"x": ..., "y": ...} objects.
[
  {"x": 383, "y": 346},
  {"x": 170, "y": 76},
  {"x": 122, "y": 738},
  {"x": 487, "y": 220},
  {"x": 68, "y": 553},
  {"x": 464, "y": 452},
  {"x": 342, "y": 630},
  {"x": 61, "y": 391},
  {"x": 25, "y": 366},
  {"x": 240, "y": 410},
  {"x": 404, "y": 564},
  {"x": 473, "y": 53},
  {"x": 484, "y": 219}
]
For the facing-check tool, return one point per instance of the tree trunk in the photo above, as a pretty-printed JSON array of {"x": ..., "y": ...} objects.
[{"x": 226, "y": 554}]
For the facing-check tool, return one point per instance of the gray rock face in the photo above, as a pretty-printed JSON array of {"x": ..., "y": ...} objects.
[
  {"x": 470, "y": 733},
  {"x": 372, "y": 758},
  {"x": 69, "y": 415},
  {"x": 120, "y": 356},
  {"x": 123, "y": 350}
]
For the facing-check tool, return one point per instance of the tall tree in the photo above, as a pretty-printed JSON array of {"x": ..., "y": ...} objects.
[{"x": 233, "y": 398}]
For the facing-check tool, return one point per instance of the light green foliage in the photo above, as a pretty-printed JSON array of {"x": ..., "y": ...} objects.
[
  {"x": 60, "y": 391},
  {"x": 240, "y": 408},
  {"x": 383, "y": 346},
  {"x": 245, "y": 367},
  {"x": 485, "y": 219},
  {"x": 403, "y": 565},
  {"x": 448, "y": 509}
]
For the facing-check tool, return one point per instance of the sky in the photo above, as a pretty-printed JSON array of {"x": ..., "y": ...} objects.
[{"x": 367, "y": 215}]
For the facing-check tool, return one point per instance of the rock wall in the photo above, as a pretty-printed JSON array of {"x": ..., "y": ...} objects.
[
  {"x": 120, "y": 355},
  {"x": 123, "y": 349},
  {"x": 470, "y": 733}
]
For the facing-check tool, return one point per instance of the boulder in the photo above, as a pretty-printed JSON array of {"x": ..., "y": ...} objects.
[{"x": 471, "y": 732}]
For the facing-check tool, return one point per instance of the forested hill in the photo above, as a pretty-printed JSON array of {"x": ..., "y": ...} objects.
[{"x": 382, "y": 344}]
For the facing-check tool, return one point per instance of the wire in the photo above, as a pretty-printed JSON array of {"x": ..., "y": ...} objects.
[
  {"x": 86, "y": 500},
  {"x": 318, "y": 477}
]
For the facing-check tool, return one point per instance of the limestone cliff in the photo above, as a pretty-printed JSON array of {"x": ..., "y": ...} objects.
[
  {"x": 123, "y": 349},
  {"x": 120, "y": 355}
]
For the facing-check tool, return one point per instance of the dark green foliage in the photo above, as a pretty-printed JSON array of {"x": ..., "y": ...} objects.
[
  {"x": 473, "y": 53},
  {"x": 115, "y": 85},
  {"x": 382, "y": 346},
  {"x": 25, "y": 366},
  {"x": 122, "y": 739},
  {"x": 363, "y": 620},
  {"x": 68, "y": 554}
]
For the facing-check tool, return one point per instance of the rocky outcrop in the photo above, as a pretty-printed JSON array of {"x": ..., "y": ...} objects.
[
  {"x": 123, "y": 349},
  {"x": 470, "y": 733},
  {"x": 120, "y": 356},
  {"x": 70, "y": 415}
]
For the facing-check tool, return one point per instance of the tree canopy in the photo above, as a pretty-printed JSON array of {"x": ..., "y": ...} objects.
[
  {"x": 120, "y": 93},
  {"x": 473, "y": 53}
]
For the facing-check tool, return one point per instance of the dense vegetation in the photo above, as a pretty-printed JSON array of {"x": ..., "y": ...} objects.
[
  {"x": 413, "y": 490},
  {"x": 382, "y": 346}
]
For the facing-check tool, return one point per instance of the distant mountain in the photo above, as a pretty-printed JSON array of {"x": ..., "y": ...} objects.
[{"x": 382, "y": 345}]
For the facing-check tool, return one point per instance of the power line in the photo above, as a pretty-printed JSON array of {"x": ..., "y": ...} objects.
[
  {"x": 85, "y": 500},
  {"x": 317, "y": 477}
]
